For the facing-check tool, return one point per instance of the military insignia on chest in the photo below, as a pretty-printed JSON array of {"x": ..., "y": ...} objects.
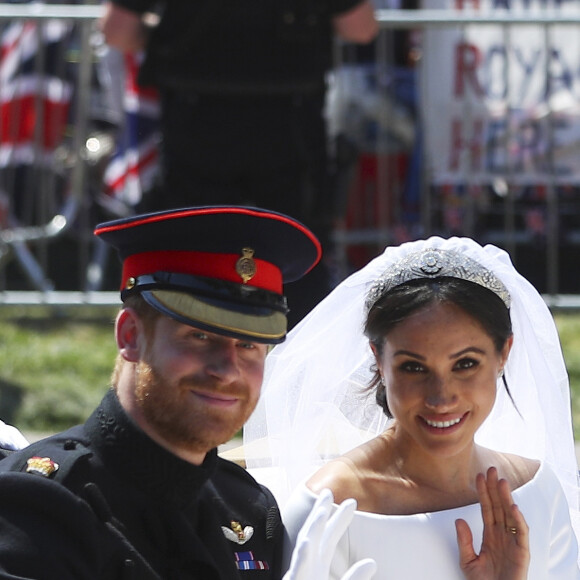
[
  {"x": 247, "y": 561},
  {"x": 235, "y": 533},
  {"x": 41, "y": 466}
]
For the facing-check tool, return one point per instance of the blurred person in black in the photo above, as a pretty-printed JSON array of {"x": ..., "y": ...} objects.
[{"x": 242, "y": 88}]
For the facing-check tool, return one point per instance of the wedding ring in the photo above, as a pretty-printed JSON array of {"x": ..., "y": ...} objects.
[{"x": 512, "y": 530}]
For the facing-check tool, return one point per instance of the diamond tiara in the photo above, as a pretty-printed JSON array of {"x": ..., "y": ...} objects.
[{"x": 435, "y": 263}]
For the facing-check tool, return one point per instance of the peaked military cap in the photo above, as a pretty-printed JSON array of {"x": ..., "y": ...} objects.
[{"x": 218, "y": 268}]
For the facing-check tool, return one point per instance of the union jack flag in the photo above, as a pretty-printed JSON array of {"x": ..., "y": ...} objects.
[
  {"x": 134, "y": 164},
  {"x": 34, "y": 96}
]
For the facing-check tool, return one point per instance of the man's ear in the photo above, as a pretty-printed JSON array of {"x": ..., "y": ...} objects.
[{"x": 129, "y": 334}]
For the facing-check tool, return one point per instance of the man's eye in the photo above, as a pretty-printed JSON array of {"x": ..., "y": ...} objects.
[
  {"x": 247, "y": 345},
  {"x": 200, "y": 335}
]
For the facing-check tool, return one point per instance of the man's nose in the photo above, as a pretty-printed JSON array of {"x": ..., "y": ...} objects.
[{"x": 223, "y": 362}]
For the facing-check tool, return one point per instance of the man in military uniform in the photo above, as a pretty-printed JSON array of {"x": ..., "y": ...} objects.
[{"x": 138, "y": 491}]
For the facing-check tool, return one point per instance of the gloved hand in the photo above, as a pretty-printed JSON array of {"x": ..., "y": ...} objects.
[{"x": 317, "y": 540}]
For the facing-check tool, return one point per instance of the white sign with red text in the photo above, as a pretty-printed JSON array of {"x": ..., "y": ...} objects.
[{"x": 502, "y": 101}]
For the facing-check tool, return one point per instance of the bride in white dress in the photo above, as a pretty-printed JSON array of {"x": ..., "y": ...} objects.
[{"x": 468, "y": 470}]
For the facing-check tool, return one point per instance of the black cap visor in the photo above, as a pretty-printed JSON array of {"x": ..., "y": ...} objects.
[
  {"x": 266, "y": 326},
  {"x": 239, "y": 311}
]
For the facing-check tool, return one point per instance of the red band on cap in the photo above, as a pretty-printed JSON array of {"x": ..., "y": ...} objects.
[{"x": 219, "y": 266}]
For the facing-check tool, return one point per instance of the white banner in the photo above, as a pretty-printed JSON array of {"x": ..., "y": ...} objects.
[{"x": 502, "y": 102}]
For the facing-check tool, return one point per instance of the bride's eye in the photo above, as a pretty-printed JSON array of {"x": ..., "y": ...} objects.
[
  {"x": 412, "y": 366},
  {"x": 466, "y": 363}
]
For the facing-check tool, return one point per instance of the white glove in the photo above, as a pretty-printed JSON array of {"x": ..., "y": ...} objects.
[
  {"x": 11, "y": 438},
  {"x": 317, "y": 540}
]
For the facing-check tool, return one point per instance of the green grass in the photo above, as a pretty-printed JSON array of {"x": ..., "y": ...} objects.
[
  {"x": 55, "y": 369},
  {"x": 569, "y": 330}
]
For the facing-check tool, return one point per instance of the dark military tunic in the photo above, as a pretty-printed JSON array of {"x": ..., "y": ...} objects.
[{"x": 118, "y": 506}]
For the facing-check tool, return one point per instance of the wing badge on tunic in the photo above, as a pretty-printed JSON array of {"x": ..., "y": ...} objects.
[{"x": 235, "y": 533}]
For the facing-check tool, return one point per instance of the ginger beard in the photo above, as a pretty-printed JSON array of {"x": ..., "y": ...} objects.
[{"x": 179, "y": 418}]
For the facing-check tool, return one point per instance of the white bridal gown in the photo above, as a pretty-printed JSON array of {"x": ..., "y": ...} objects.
[{"x": 424, "y": 546}]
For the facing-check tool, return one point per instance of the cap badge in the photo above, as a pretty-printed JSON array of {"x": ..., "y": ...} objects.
[
  {"x": 237, "y": 534},
  {"x": 41, "y": 466},
  {"x": 246, "y": 266}
]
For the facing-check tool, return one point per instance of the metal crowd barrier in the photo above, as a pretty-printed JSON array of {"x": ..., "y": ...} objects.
[
  {"x": 45, "y": 74},
  {"x": 51, "y": 194}
]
